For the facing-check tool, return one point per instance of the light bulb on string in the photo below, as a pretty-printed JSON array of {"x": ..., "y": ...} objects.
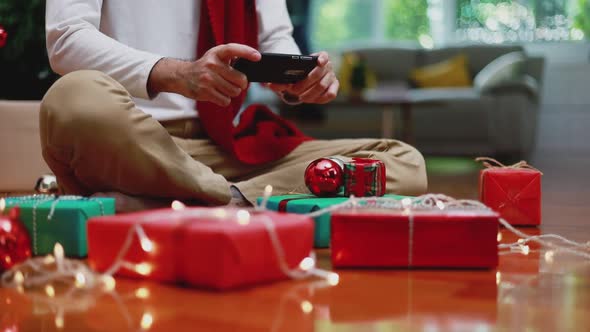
[
  {"x": 499, "y": 237},
  {"x": 498, "y": 278},
  {"x": 49, "y": 290},
  {"x": 177, "y": 205},
  {"x": 146, "y": 244},
  {"x": 306, "y": 307},
  {"x": 59, "y": 320},
  {"x": 143, "y": 268},
  {"x": 307, "y": 264},
  {"x": 80, "y": 280},
  {"x": 146, "y": 321},
  {"x": 109, "y": 283},
  {"x": 58, "y": 252},
  {"x": 333, "y": 279},
  {"x": 549, "y": 256},
  {"x": 142, "y": 293},
  {"x": 243, "y": 217},
  {"x": 2, "y": 205}
]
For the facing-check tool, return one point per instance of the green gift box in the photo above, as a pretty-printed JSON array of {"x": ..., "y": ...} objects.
[
  {"x": 51, "y": 219},
  {"x": 301, "y": 204}
]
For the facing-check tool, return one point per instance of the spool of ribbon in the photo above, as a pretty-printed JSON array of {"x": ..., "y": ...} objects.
[
  {"x": 493, "y": 163},
  {"x": 364, "y": 177}
]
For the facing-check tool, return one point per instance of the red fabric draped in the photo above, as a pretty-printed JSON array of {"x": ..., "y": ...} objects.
[{"x": 261, "y": 136}]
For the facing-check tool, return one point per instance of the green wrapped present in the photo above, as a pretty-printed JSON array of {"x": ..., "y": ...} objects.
[
  {"x": 300, "y": 203},
  {"x": 51, "y": 219}
]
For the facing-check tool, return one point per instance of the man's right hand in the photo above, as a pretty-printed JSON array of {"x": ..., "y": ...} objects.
[{"x": 210, "y": 78}]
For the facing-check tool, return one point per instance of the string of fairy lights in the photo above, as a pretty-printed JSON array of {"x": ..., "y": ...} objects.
[{"x": 41, "y": 276}]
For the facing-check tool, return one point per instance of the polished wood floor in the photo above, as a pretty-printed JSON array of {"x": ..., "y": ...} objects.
[{"x": 525, "y": 293}]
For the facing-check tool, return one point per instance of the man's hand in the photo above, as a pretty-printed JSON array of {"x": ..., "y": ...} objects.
[
  {"x": 320, "y": 87},
  {"x": 211, "y": 78}
]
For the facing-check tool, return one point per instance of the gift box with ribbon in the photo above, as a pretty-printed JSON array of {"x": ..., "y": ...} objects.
[
  {"x": 364, "y": 177},
  {"x": 415, "y": 237},
  {"x": 50, "y": 219},
  {"x": 302, "y": 204},
  {"x": 204, "y": 247},
  {"x": 514, "y": 191}
]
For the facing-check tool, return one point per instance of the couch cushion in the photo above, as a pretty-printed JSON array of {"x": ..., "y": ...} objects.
[
  {"x": 478, "y": 56},
  {"x": 389, "y": 63},
  {"x": 448, "y": 73},
  {"x": 507, "y": 67},
  {"x": 20, "y": 148},
  {"x": 434, "y": 95}
]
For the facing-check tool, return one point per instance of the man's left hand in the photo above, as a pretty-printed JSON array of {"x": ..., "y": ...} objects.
[{"x": 320, "y": 87}]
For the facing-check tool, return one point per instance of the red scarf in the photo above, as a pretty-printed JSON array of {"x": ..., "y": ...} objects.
[{"x": 261, "y": 136}]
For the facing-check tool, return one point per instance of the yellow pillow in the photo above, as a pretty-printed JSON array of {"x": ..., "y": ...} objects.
[{"x": 449, "y": 73}]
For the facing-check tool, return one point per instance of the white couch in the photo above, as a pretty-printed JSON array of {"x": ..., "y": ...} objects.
[{"x": 21, "y": 162}]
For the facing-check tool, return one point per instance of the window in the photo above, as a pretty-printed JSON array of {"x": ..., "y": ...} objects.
[
  {"x": 498, "y": 21},
  {"x": 335, "y": 23},
  {"x": 338, "y": 23}
]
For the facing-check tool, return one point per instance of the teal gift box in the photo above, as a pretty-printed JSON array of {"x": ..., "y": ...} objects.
[
  {"x": 301, "y": 204},
  {"x": 52, "y": 219}
]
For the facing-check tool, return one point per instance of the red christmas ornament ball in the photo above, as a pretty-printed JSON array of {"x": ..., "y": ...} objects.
[
  {"x": 3, "y": 36},
  {"x": 15, "y": 243},
  {"x": 324, "y": 177}
]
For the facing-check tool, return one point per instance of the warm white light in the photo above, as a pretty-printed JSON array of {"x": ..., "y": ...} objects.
[
  {"x": 440, "y": 205},
  {"x": 50, "y": 291},
  {"x": 307, "y": 264},
  {"x": 19, "y": 278},
  {"x": 520, "y": 241},
  {"x": 48, "y": 260},
  {"x": 80, "y": 280},
  {"x": 499, "y": 237},
  {"x": 178, "y": 205},
  {"x": 549, "y": 256},
  {"x": 525, "y": 250},
  {"x": 220, "y": 213},
  {"x": 498, "y": 278},
  {"x": 143, "y": 268},
  {"x": 58, "y": 251},
  {"x": 59, "y": 322},
  {"x": 2, "y": 205},
  {"x": 333, "y": 279},
  {"x": 406, "y": 202},
  {"x": 306, "y": 307},
  {"x": 146, "y": 244},
  {"x": 267, "y": 190},
  {"x": 146, "y": 321},
  {"x": 6, "y": 226},
  {"x": 109, "y": 283},
  {"x": 142, "y": 293},
  {"x": 243, "y": 217}
]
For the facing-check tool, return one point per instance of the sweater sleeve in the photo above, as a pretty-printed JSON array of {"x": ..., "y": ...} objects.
[
  {"x": 74, "y": 42},
  {"x": 275, "y": 28}
]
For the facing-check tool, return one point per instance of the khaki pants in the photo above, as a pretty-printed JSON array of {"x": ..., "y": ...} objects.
[{"x": 94, "y": 139}]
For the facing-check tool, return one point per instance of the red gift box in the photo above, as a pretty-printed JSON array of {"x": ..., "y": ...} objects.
[
  {"x": 202, "y": 247},
  {"x": 514, "y": 192},
  {"x": 364, "y": 177},
  {"x": 389, "y": 238}
]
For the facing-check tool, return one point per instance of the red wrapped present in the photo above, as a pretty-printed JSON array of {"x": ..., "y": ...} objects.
[
  {"x": 514, "y": 191},
  {"x": 214, "y": 248},
  {"x": 401, "y": 238},
  {"x": 364, "y": 177}
]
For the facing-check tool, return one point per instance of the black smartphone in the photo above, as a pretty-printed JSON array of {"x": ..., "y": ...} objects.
[{"x": 277, "y": 68}]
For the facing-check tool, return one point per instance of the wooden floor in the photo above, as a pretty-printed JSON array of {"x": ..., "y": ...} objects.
[{"x": 525, "y": 293}]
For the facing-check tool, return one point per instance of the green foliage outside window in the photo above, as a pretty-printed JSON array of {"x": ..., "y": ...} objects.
[
  {"x": 406, "y": 19},
  {"x": 582, "y": 20}
]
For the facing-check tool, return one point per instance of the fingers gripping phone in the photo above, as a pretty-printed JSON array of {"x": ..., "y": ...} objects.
[{"x": 277, "y": 68}]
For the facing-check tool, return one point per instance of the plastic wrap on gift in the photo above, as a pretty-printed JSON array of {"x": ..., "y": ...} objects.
[
  {"x": 51, "y": 219},
  {"x": 514, "y": 192},
  {"x": 389, "y": 238},
  {"x": 202, "y": 247},
  {"x": 301, "y": 204},
  {"x": 364, "y": 177}
]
